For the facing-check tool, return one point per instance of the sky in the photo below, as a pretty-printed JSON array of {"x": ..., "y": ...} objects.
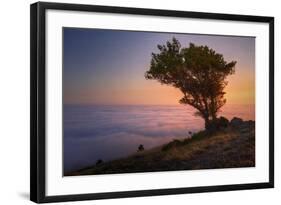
[{"x": 107, "y": 66}]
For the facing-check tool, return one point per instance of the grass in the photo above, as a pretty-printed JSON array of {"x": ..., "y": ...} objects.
[
  {"x": 228, "y": 148},
  {"x": 177, "y": 143}
]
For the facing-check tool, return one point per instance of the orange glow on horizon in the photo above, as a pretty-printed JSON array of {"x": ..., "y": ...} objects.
[{"x": 238, "y": 91}]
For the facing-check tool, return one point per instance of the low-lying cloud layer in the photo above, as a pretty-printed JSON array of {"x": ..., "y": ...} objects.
[{"x": 110, "y": 132}]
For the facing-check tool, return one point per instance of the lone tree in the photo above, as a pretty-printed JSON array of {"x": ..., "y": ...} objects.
[{"x": 198, "y": 71}]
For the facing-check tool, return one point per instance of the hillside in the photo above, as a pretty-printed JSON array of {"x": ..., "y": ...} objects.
[{"x": 230, "y": 147}]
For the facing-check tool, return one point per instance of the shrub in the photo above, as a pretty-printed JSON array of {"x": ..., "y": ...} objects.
[
  {"x": 236, "y": 122},
  {"x": 176, "y": 143},
  {"x": 217, "y": 124},
  {"x": 223, "y": 122},
  {"x": 140, "y": 148},
  {"x": 99, "y": 161},
  {"x": 199, "y": 135}
]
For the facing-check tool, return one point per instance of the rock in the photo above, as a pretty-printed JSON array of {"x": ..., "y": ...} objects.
[
  {"x": 251, "y": 122},
  {"x": 236, "y": 122}
]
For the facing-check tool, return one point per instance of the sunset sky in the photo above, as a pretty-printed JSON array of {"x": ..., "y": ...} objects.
[{"x": 107, "y": 66}]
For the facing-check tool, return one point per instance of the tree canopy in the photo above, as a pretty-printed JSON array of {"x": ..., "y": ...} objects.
[{"x": 198, "y": 71}]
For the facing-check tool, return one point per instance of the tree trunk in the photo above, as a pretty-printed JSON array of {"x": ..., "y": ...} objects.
[
  {"x": 207, "y": 123},
  {"x": 213, "y": 112},
  {"x": 214, "y": 116}
]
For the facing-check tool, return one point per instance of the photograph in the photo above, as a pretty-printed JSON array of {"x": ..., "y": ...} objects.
[{"x": 142, "y": 101}]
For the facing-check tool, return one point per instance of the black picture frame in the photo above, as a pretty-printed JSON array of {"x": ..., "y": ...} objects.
[{"x": 38, "y": 101}]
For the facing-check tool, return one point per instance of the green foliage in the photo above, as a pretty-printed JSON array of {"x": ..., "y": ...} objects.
[
  {"x": 176, "y": 143},
  {"x": 198, "y": 71},
  {"x": 199, "y": 135}
]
